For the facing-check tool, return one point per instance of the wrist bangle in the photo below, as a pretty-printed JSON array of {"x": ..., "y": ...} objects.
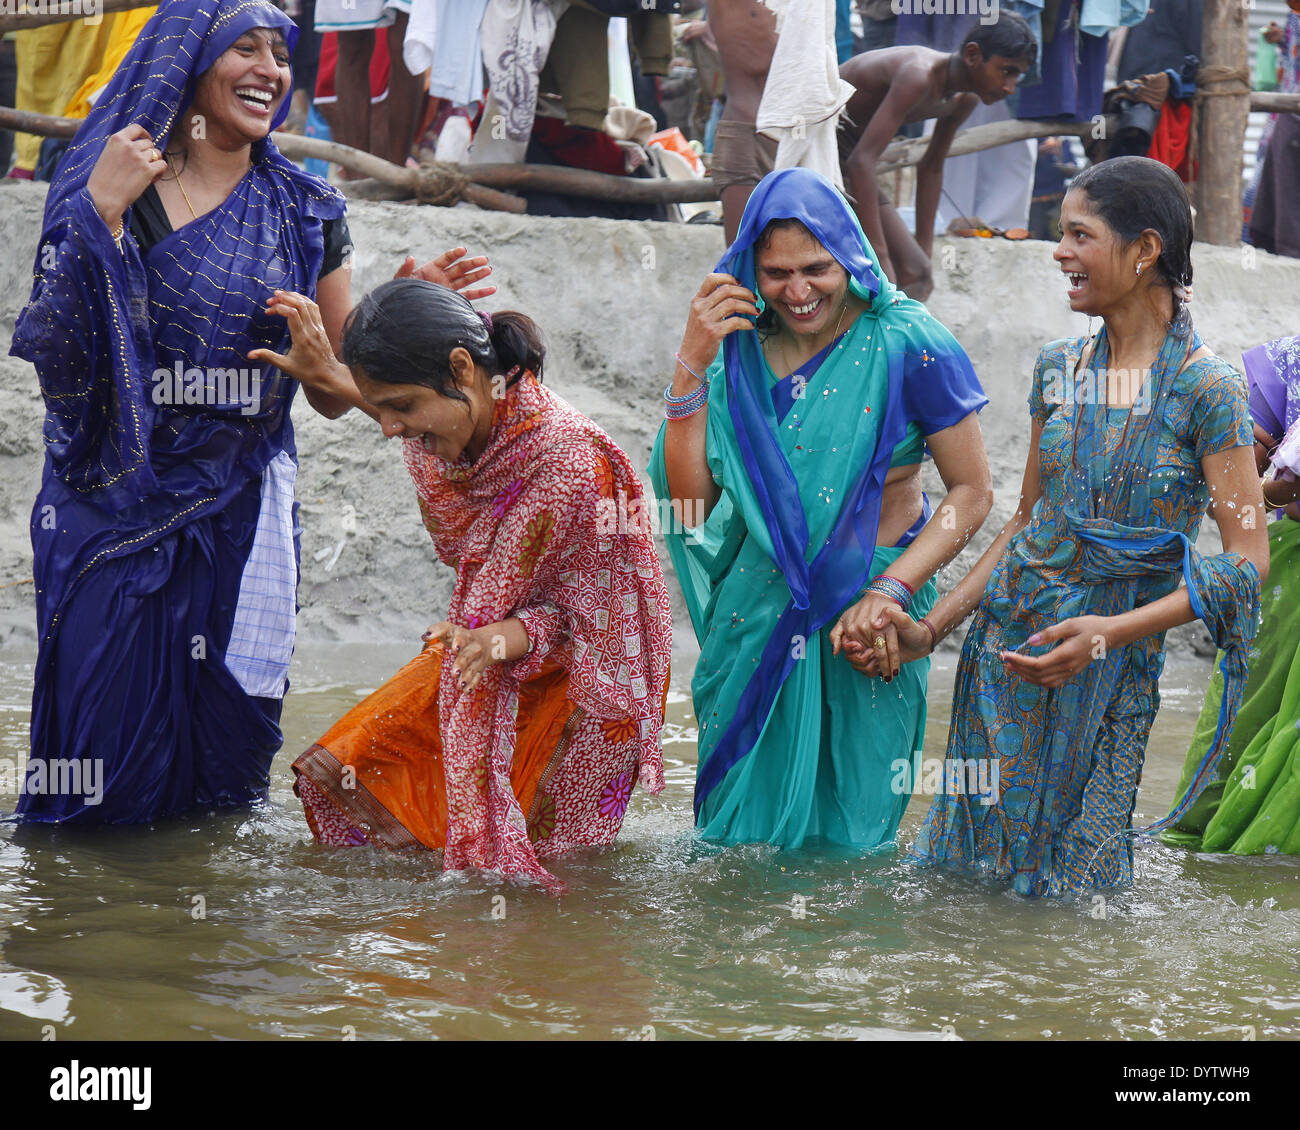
[
  {"x": 934, "y": 636},
  {"x": 679, "y": 407},
  {"x": 702, "y": 380},
  {"x": 893, "y": 588},
  {"x": 1263, "y": 492},
  {"x": 118, "y": 232}
]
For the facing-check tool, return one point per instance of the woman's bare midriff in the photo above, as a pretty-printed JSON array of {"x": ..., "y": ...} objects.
[{"x": 900, "y": 503}]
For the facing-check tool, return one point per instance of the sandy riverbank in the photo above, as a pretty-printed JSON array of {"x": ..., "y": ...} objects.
[{"x": 612, "y": 299}]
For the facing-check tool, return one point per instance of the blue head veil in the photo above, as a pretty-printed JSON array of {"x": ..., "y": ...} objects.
[
  {"x": 806, "y": 196},
  {"x": 919, "y": 375},
  {"x": 156, "y": 82}
]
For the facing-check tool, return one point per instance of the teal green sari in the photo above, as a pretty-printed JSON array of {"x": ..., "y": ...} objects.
[{"x": 794, "y": 744}]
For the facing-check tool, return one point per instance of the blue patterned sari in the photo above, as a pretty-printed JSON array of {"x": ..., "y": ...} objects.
[
  {"x": 1122, "y": 495},
  {"x": 150, "y": 507}
]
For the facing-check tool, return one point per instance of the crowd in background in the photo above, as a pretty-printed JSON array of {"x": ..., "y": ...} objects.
[{"x": 638, "y": 87}]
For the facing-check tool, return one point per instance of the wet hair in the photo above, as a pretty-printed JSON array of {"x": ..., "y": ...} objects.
[
  {"x": 1008, "y": 36},
  {"x": 404, "y": 331},
  {"x": 766, "y": 322},
  {"x": 1134, "y": 194}
]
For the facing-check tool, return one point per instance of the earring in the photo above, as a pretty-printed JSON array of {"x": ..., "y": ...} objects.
[{"x": 1139, "y": 270}]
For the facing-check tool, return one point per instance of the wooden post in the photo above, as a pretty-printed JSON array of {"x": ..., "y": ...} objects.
[{"x": 1223, "y": 101}]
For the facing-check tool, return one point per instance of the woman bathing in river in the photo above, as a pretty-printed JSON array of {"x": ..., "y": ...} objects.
[
  {"x": 1252, "y": 806},
  {"x": 519, "y": 731},
  {"x": 1058, "y": 674},
  {"x": 162, "y": 537},
  {"x": 794, "y": 452}
]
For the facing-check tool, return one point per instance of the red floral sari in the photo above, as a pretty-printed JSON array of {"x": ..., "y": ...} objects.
[{"x": 542, "y": 755}]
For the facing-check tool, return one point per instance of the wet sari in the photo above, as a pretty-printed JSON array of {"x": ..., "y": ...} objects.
[
  {"x": 1122, "y": 496},
  {"x": 163, "y": 534},
  {"x": 1252, "y": 805},
  {"x": 549, "y": 525},
  {"x": 795, "y": 745}
]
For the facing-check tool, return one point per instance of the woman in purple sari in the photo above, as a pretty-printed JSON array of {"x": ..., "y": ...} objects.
[{"x": 163, "y": 536}]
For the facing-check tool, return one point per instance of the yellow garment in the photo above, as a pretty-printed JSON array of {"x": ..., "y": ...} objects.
[
  {"x": 127, "y": 27},
  {"x": 52, "y": 63}
]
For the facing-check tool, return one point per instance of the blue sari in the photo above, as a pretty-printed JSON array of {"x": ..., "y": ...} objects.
[
  {"x": 150, "y": 508},
  {"x": 794, "y": 744},
  {"x": 1123, "y": 494}
]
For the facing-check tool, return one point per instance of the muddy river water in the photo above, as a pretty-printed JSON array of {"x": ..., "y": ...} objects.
[{"x": 238, "y": 926}]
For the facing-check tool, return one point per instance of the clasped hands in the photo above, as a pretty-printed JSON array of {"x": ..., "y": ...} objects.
[{"x": 877, "y": 637}]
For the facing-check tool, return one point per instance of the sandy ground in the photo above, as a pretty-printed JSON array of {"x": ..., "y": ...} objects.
[{"x": 612, "y": 299}]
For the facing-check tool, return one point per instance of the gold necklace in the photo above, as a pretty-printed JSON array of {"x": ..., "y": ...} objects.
[{"x": 176, "y": 176}]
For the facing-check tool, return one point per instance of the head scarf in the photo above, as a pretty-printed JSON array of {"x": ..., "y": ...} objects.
[
  {"x": 157, "y": 80},
  {"x": 920, "y": 375},
  {"x": 103, "y": 441},
  {"x": 1273, "y": 373}
]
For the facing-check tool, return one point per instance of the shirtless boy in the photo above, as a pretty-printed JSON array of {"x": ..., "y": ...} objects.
[{"x": 896, "y": 85}]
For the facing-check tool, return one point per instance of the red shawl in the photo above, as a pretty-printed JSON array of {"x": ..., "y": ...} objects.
[{"x": 528, "y": 523}]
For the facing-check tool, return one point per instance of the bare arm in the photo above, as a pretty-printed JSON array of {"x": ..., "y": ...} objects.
[
  {"x": 334, "y": 297},
  {"x": 929, "y": 172},
  {"x": 905, "y": 91},
  {"x": 962, "y": 463},
  {"x": 712, "y": 317},
  {"x": 1238, "y": 508}
]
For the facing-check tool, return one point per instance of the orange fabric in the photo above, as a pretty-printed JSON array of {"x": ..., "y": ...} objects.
[{"x": 391, "y": 741}]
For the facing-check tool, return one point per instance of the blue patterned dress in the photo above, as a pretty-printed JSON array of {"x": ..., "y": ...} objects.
[{"x": 1059, "y": 819}]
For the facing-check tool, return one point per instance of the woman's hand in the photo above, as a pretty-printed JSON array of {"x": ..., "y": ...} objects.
[
  {"x": 1081, "y": 640},
  {"x": 713, "y": 315},
  {"x": 906, "y": 640},
  {"x": 452, "y": 270},
  {"x": 856, "y": 634},
  {"x": 473, "y": 650},
  {"x": 128, "y": 164},
  {"x": 311, "y": 360}
]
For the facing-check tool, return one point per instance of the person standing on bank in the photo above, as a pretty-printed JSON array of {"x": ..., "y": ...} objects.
[
  {"x": 794, "y": 454},
  {"x": 165, "y": 556}
]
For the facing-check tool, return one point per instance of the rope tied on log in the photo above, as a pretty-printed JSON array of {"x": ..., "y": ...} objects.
[
  {"x": 1218, "y": 75},
  {"x": 441, "y": 183},
  {"x": 1236, "y": 80}
]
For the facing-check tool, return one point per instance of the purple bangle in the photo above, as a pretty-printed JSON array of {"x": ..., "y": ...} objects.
[
  {"x": 933, "y": 634},
  {"x": 702, "y": 380}
]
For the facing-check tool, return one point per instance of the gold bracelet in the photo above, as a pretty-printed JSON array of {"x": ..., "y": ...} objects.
[
  {"x": 121, "y": 228},
  {"x": 1270, "y": 506}
]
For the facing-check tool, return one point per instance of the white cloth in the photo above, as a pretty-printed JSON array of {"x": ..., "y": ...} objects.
[
  {"x": 261, "y": 639},
  {"x": 516, "y": 37},
  {"x": 421, "y": 33},
  {"x": 804, "y": 94},
  {"x": 357, "y": 15},
  {"x": 996, "y": 184},
  {"x": 456, "y": 64}
]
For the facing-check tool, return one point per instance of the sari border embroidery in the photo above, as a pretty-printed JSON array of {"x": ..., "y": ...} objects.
[{"x": 358, "y": 803}]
